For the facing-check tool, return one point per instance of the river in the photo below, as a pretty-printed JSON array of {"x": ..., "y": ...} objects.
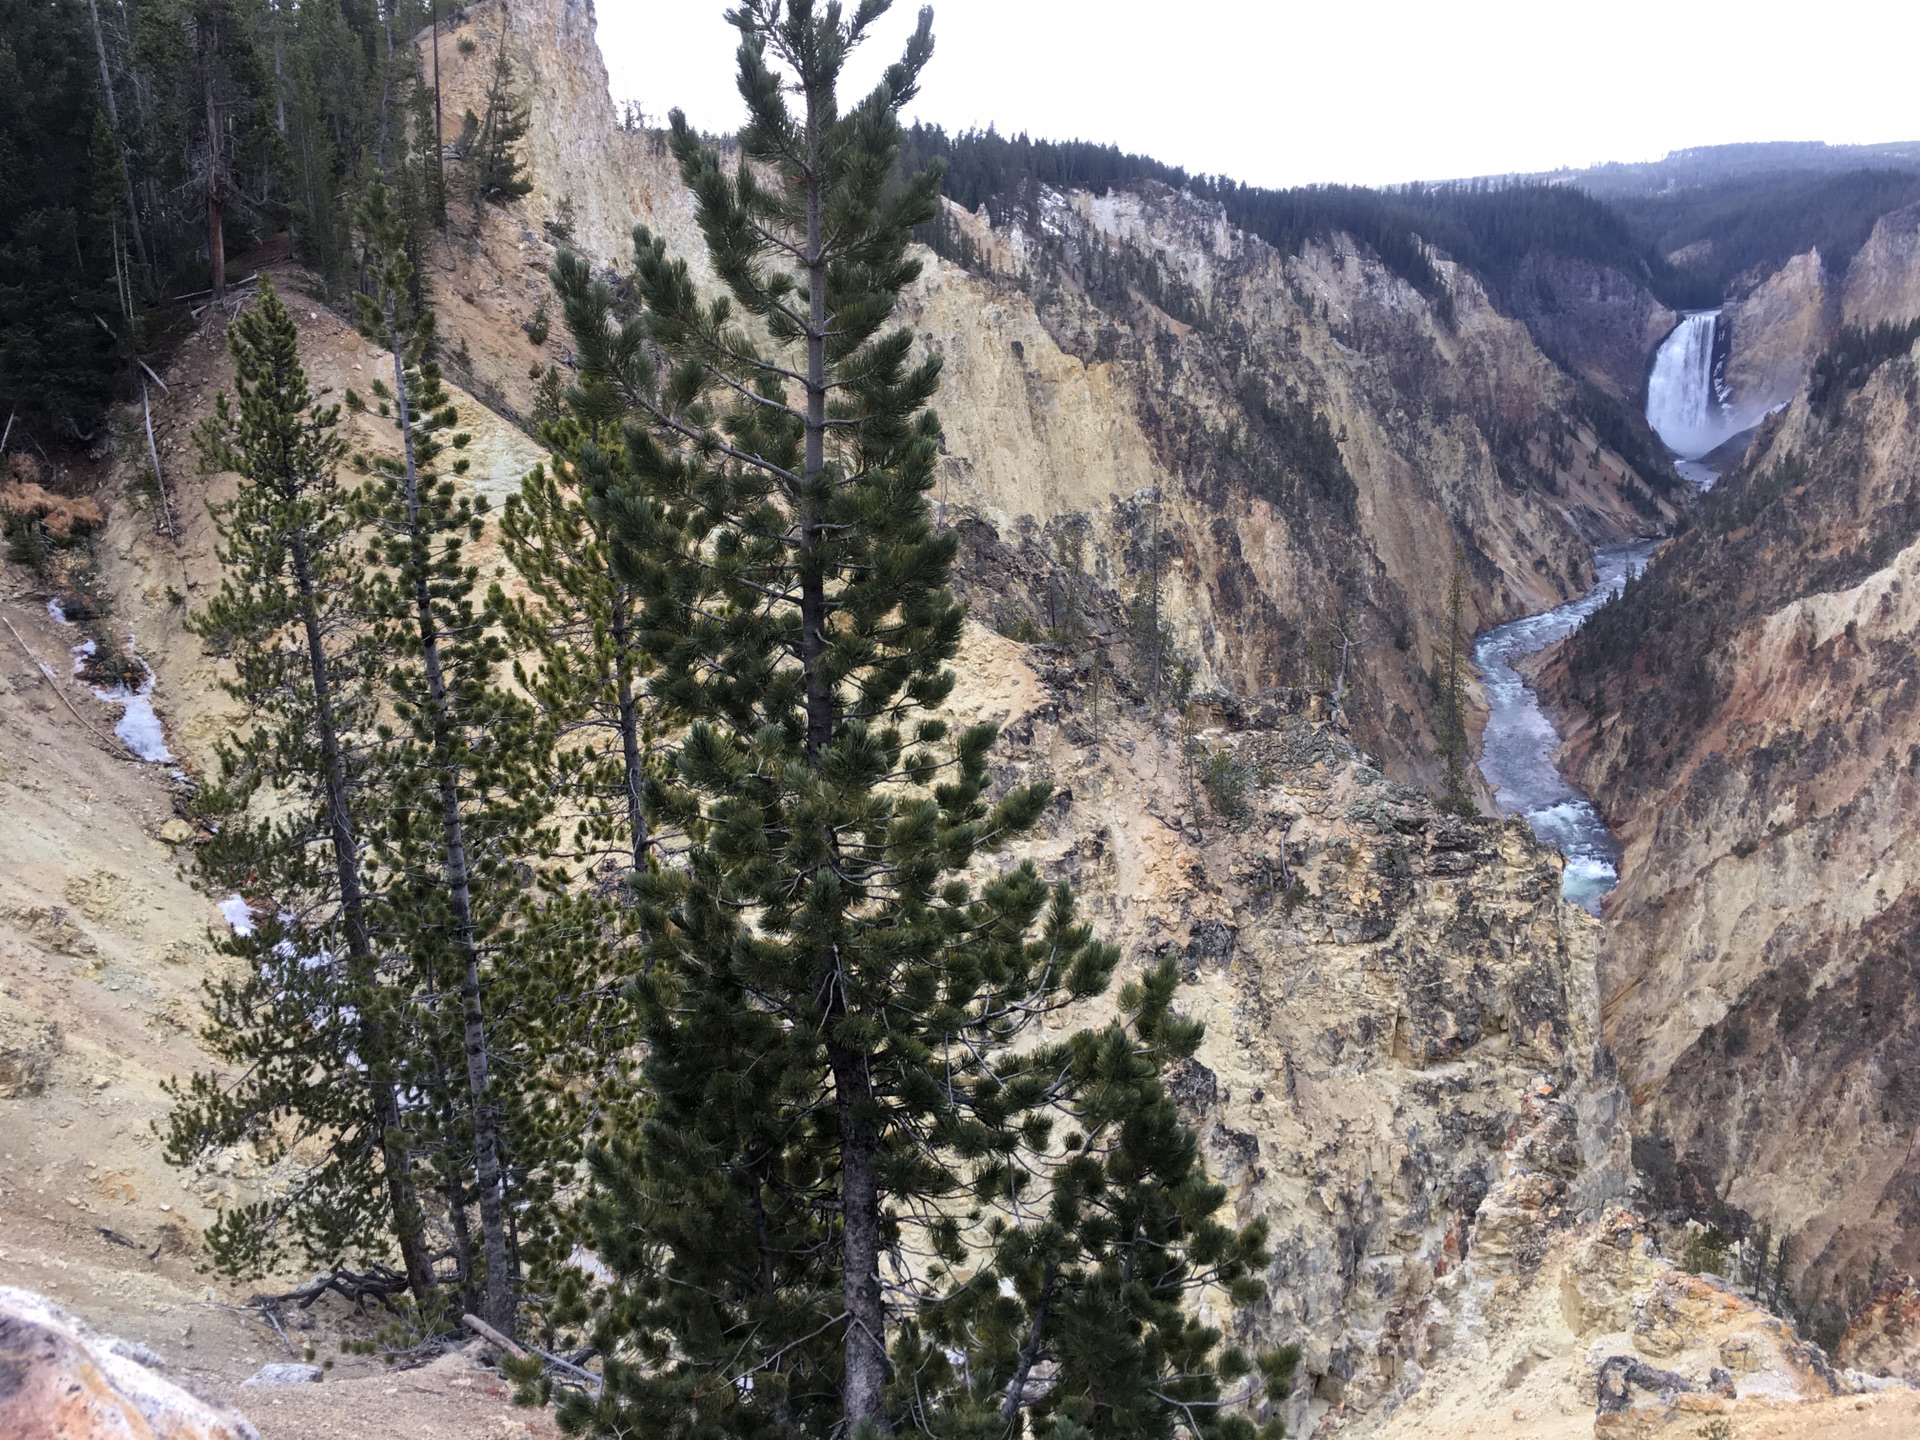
[
  {"x": 1516, "y": 752},
  {"x": 1688, "y": 407}
]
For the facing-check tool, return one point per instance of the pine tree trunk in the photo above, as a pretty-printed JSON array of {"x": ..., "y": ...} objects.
[
  {"x": 216, "y": 180},
  {"x": 113, "y": 121},
  {"x": 865, "y": 1349},
  {"x": 279, "y": 78},
  {"x": 407, "y": 1223},
  {"x": 386, "y": 90},
  {"x": 1030, "y": 1351},
  {"x": 629, "y": 734},
  {"x": 463, "y": 1247},
  {"x": 216, "y": 247},
  {"x": 495, "y": 1252},
  {"x": 813, "y": 594},
  {"x": 866, "y": 1342}
]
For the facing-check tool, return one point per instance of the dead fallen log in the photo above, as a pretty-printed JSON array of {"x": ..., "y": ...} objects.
[{"x": 568, "y": 1372}]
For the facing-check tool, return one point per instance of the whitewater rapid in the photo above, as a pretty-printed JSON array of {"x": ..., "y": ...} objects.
[{"x": 1516, "y": 752}]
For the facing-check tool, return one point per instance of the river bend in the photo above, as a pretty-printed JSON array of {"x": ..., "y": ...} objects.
[{"x": 1516, "y": 752}]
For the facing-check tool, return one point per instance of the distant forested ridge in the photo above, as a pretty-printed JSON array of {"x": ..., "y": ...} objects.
[
  {"x": 1746, "y": 228},
  {"x": 1489, "y": 227},
  {"x": 1752, "y": 210},
  {"x": 1703, "y": 166}
]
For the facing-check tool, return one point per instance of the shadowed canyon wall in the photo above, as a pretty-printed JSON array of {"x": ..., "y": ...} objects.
[{"x": 1749, "y": 717}]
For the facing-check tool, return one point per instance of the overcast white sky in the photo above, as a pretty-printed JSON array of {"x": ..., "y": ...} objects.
[{"x": 1286, "y": 92}]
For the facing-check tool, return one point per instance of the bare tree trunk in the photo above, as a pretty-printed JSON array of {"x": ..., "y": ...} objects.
[
  {"x": 208, "y": 40},
  {"x": 153, "y": 458},
  {"x": 113, "y": 120},
  {"x": 408, "y": 1224},
  {"x": 494, "y": 1245},
  {"x": 279, "y": 79},
  {"x": 217, "y": 246}
]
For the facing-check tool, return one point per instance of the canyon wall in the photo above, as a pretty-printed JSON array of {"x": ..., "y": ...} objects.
[
  {"x": 1749, "y": 719},
  {"x": 1777, "y": 330},
  {"x": 1783, "y": 322},
  {"x": 1601, "y": 324},
  {"x": 1882, "y": 285},
  {"x": 1285, "y": 452}
]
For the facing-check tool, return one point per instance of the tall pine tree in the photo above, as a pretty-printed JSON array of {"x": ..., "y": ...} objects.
[
  {"x": 852, "y": 1202},
  {"x": 461, "y": 803}
]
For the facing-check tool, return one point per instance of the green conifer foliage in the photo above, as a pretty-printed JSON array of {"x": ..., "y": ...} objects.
[
  {"x": 841, "y": 1152},
  {"x": 1089, "y": 1278},
  {"x": 57, "y": 366},
  {"x": 491, "y": 142},
  {"x": 214, "y": 139},
  {"x": 462, "y": 808},
  {"x": 582, "y": 621},
  {"x": 313, "y": 1026}
]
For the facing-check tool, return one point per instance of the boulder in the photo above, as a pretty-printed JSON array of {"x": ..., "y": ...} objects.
[
  {"x": 61, "y": 1381},
  {"x": 285, "y": 1375}
]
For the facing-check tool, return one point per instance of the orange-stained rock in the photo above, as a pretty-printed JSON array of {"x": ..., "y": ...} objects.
[
  {"x": 61, "y": 1381},
  {"x": 1884, "y": 1338}
]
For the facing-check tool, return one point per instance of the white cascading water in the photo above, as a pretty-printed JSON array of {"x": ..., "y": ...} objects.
[
  {"x": 1687, "y": 406},
  {"x": 1686, "y": 400}
]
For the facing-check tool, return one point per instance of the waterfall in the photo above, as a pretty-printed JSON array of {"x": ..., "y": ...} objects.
[{"x": 1687, "y": 400}]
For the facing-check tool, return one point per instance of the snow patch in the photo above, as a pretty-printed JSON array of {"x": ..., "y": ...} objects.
[
  {"x": 585, "y": 1260},
  {"x": 239, "y": 914},
  {"x": 139, "y": 727}
]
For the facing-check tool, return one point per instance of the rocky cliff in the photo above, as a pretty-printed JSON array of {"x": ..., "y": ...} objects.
[
  {"x": 1776, "y": 330},
  {"x": 1601, "y": 324},
  {"x": 1287, "y": 451},
  {"x": 1749, "y": 718},
  {"x": 1882, "y": 285},
  {"x": 1780, "y": 323}
]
